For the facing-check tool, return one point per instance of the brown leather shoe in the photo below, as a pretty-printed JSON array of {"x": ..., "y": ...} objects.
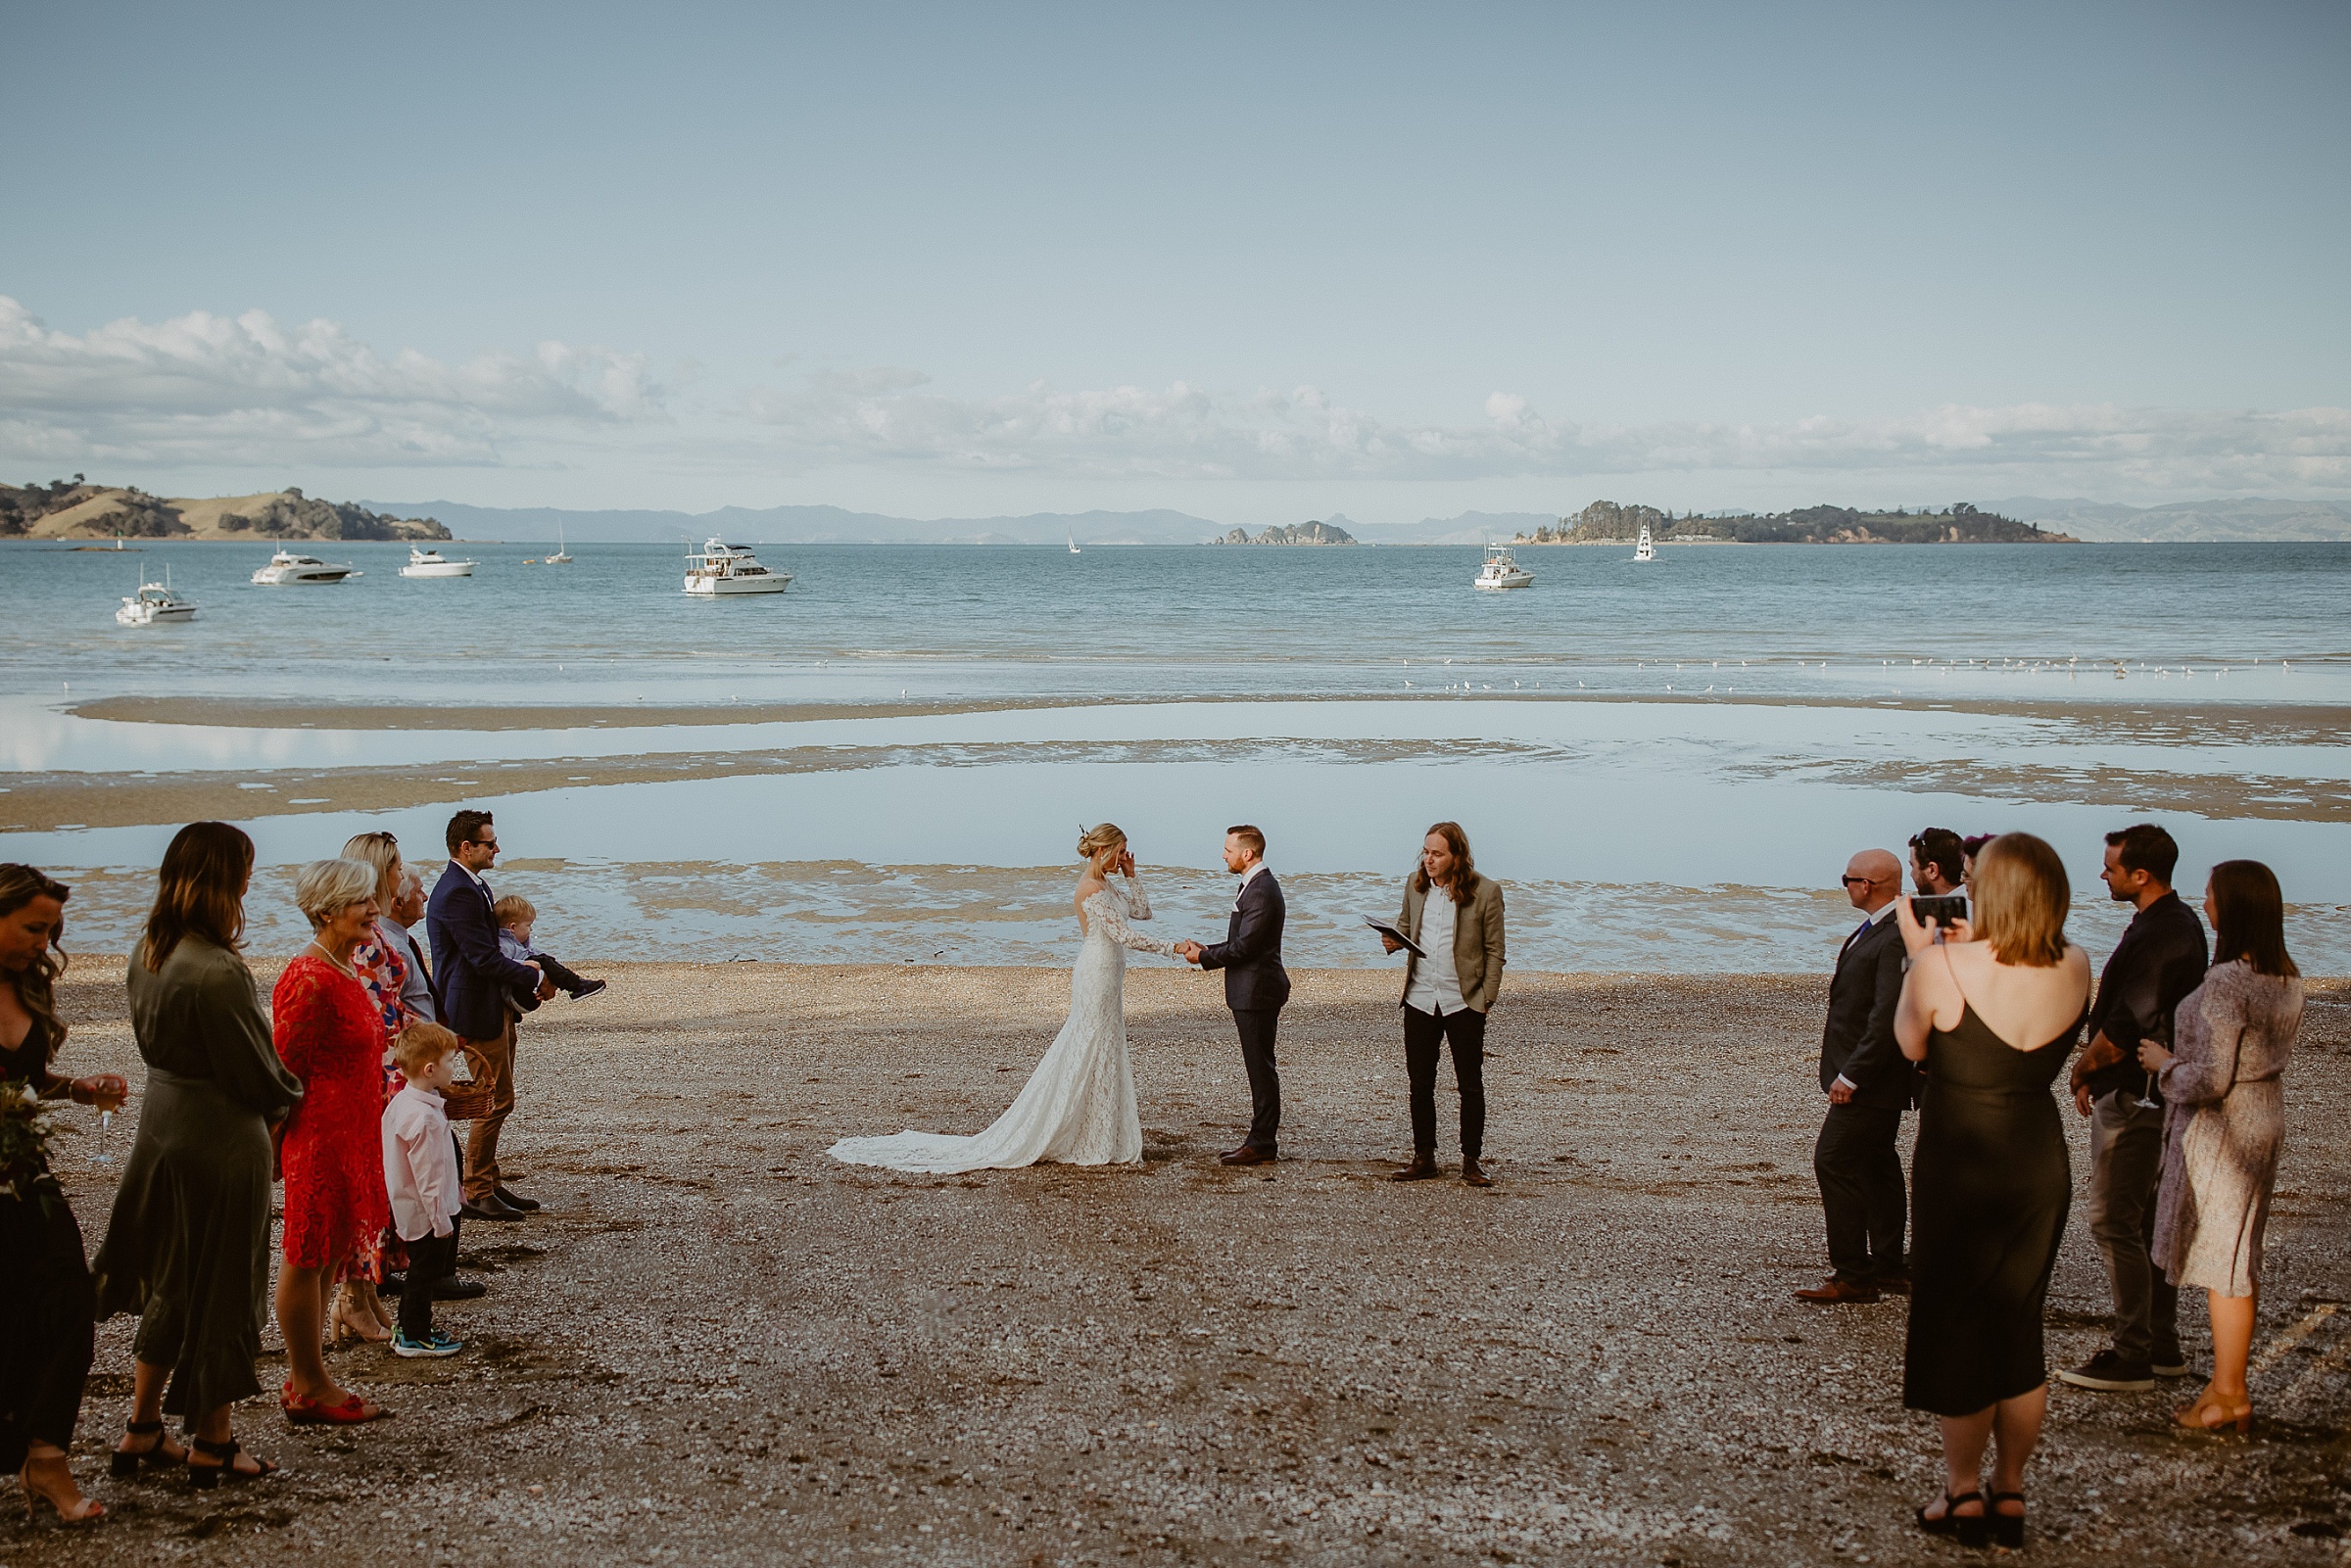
[
  {"x": 1423, "y": 1168},
  {"x": 1837, "y": 1293},
  {"x": 1248, "y": 1153},
  {"x": 1475, "y": 1176}
]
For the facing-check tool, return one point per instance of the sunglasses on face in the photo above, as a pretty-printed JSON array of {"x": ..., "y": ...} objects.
[{"x": 1848, "y": 880}]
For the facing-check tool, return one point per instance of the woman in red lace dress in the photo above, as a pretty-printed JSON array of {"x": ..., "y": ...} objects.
[{"x": 330, "y": 1037}]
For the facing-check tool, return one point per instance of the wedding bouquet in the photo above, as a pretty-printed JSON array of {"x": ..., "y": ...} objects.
[{"x": 25, "y": 1126}]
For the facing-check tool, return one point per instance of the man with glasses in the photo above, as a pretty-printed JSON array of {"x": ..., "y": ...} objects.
[
  {"x": 473, "y": 980},
  {"x": 1869, "y": 1084}
]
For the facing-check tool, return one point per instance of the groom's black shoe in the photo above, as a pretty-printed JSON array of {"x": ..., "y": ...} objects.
[
  {"x": 1423, "y": 1168},
  {"x": 1249, "y": 1154}
]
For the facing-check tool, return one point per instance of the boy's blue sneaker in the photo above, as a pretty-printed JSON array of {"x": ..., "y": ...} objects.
[{"x": 434, "y": 1343}]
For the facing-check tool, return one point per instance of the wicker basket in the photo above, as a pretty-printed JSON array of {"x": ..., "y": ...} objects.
[{"x": 470, "y": 1100}]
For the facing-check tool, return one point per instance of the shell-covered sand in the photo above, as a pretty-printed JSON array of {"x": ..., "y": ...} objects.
[{"x": 718, "y": 1346}]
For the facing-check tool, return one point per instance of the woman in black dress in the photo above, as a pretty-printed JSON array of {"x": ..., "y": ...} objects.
[
  {"x": 1993, "y": 1012},
  {"x": 46, "y": 1305}
]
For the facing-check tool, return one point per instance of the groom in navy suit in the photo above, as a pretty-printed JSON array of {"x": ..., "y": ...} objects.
[
  {"x": 1255, "y": 985},
  {"x": 472, "y": 980}
]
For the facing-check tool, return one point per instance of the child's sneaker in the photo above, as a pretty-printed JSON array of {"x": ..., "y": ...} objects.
[
  {"x": 588, "y": 988},
  {"x": 434, "y": 1344}
]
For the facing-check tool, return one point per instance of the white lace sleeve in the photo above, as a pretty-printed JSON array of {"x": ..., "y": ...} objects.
[
  {"x": 1104, "y": 907},
  {"x": 1139, "y": 902}
]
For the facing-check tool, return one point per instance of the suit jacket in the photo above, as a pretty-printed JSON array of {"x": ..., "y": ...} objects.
[
  {"x": 1251, "y": 953},
  {"x": 471, "y": 977},
  {"x": 1477, "y": 946},
  {"x": 1859, "y": 1041}
]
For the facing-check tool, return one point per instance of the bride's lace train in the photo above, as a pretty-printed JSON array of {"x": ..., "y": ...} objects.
[{"x": 1077, "y": 1108}]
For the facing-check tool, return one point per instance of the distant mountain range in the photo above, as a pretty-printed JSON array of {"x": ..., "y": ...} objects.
[{"x": 2187, "y": 521}]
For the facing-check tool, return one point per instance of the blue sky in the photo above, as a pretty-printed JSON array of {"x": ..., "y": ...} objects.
[{"x": 1257, "y": 262}]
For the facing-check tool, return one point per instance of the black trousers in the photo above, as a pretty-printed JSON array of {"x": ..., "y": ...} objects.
[
  {"x": 1860, "y": 1175},
  {"x": 1425, "y": 1034},
  {"x": 1257, "y": 1027},
  {"x": 430, "y": 1257},
  {"x": 566, "y": 980}
]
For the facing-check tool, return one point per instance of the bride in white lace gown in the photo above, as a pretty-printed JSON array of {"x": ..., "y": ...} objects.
[{"x": 1077, "y": 1107}]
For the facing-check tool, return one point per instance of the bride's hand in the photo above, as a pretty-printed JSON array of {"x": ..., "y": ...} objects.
[{"x": 1127, "y": 863}]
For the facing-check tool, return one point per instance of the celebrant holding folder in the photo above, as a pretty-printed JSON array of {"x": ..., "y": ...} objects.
[{"x": 1452, "y": 919}]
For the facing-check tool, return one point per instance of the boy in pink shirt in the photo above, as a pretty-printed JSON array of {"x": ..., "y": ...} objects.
[{"x": 420, "y": 1175}]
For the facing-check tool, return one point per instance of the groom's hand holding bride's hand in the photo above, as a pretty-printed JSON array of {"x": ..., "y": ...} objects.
[{"x": 1188, "y": 950}]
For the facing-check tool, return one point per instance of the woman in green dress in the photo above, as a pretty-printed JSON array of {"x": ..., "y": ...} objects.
[{"x": 188, "y": 1247}]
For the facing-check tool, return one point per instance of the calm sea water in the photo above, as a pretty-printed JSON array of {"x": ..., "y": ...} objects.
[
  {"x": 1634, "y": 835},
  {"x": 862, "y": 623}
]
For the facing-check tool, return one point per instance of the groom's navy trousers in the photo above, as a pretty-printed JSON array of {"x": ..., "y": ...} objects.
[{"x": 1255, "y": 987}]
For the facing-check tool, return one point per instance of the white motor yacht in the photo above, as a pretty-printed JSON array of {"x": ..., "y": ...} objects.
[
  {"x": 1502, "y": 569},
  {"x": 286, "y": 567},
  {"x": 429, "y": 563},
  {"x": 721, "y": 568},
  {"x": 153, "y": 602},
  {"x": 1647, "y": 549}
]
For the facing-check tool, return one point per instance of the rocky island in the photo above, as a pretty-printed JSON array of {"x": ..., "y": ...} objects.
[
  {"x": 1292, "y": 534},
  {"x": 1605, "y": 521},
  {"x": 79, "y": 509}
]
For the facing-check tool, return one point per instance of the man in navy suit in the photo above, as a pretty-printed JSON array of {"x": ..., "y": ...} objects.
[
  {"x": 472, "y": 980},
  {"x": 1869, "y": 1084},
  {"x": 1255, "y": 985}
]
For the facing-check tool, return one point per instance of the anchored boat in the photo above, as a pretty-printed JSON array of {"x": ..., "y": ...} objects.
[
  {"x": 1502, "y": 569},
  {"x": 719, "y": 568},
  {"x": 153, "y": 602},
  {"x": 429, "y": 563},
  {"x": 286, "y": 567}
]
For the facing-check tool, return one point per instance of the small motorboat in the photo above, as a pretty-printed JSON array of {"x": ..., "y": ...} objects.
[
  {"x": 153, "y": 602},
  {"x": 1502, "y": 569},
  {"x": 430, "y": 563},
  {"x": 1647, "y": 549},
  {"x": 719, "y": 568},
  {"x": 285, "y": 567}
]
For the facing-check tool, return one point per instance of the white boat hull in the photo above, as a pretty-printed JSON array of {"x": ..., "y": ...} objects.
[
  {"x": 1511, "y": 580},
  {"x": 267, "y": 577},
  {"x": 728, "y": 586},
  {"x": 146, "y": 615},
  {"x": 439, "y": 569}
]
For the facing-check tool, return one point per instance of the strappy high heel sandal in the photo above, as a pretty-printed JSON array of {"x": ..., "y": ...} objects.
[
  {"x": 2008, "y": 1529},
  {"x": 1972, "y": 1530},
  {"x": 205, "y": 1476},
  {"x": 2211, "y": 1412},
  {"x": 85, "y": 1511}
]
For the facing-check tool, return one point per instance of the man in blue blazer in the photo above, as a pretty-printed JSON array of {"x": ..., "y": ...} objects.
[
  {"x": 1256, "y": 985},
  {"x": 472, "y": 982}
]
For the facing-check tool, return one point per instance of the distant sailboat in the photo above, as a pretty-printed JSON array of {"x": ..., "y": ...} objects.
[
  {"x": 1074, "y": 550},
  {"x": 1645, "y": 550},
  {"x": 560, "y": 557}
]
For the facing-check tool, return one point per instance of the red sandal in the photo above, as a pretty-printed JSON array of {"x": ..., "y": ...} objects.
[{"x": 303, "y": 1411}]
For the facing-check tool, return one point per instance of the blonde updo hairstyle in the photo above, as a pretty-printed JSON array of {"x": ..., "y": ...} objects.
[
  {"x": 382, "y": 851},
  {"x": 1095, "y": 840},
  {"x": 323, "y": 886}
]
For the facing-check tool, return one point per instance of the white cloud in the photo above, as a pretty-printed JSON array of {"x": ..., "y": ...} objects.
[
  {"x": 203, "y": 389},
  {"x": 1187, "y": 433}
]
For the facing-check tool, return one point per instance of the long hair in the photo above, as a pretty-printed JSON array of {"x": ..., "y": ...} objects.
[
  {"x": 199, "y": 892},
  {"x": 2022, "y": 896},
  {"x": 35, "y": 984},
  {"x": 2251, "y": 922},
  {"x": 1464, "y": 868}
]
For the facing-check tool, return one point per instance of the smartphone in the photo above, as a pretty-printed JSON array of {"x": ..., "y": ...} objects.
[{"x": 1943, "y": 911}]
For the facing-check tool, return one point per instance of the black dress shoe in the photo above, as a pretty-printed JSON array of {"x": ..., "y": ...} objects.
[
  {"x": 514, "y": 1200},
  {"x": 489, "y": 1209},
  {"x": 451, "y": 1287}
]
